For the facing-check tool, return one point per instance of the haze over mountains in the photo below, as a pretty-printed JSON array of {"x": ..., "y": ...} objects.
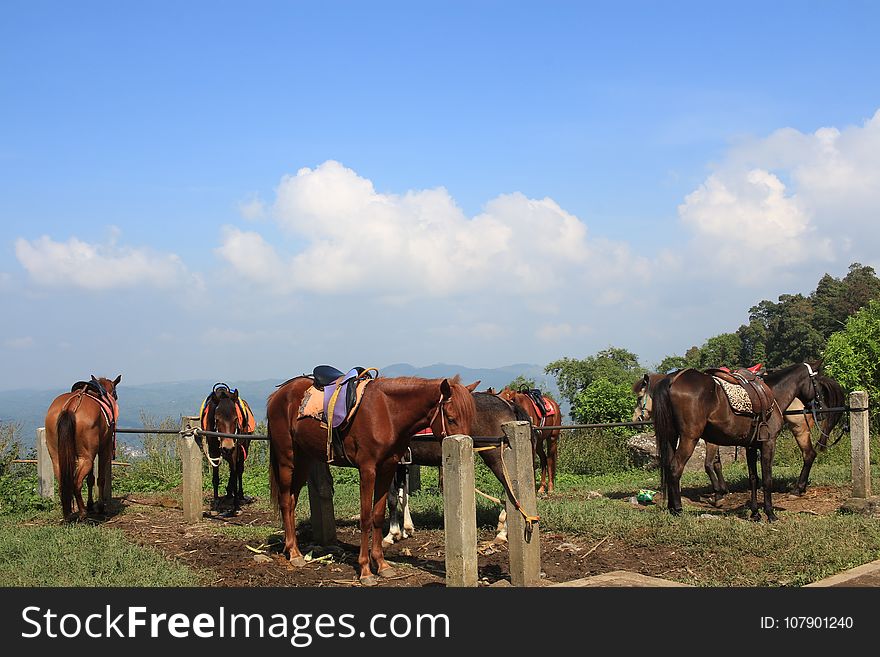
[{"x": 27, "y": 408}]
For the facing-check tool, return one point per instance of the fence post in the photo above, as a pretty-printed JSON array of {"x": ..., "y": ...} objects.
[
  {"x": 524, "y": 546},
  {"x": 191, "y": 460},
  {"x": 861, "y": 449},
  {"x": 321, "y": 504},
  {"x": 459, "y": 511},
  {"x": 45, "y": 472}
]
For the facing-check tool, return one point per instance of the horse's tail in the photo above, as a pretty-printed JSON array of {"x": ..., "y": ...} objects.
[
  {"x": 665, "y": 431},
  {"x": 65, "y": 430},
  {"x": 834, "y": 398}
]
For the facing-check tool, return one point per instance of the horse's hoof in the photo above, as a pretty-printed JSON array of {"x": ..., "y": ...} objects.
[
  {"x": 771, "y": 518},
  {"x": 387, "y": 572},
  {"x": 386, "y": 543},
  {"x": 298, "y": 562},
  {"x": 755, "y": 517},
  {"x": 369, "y": 580},
  {"x": 675, "y": 512},
  {"x": 499, "y": 540}
]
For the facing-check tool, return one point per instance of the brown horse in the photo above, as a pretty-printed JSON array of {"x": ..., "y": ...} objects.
[
  {"x": 690, "y": 404},
  {"x": 546, "y": 442},
  {"x": 800, "y": 426},
  {"x": 80, "y": 425},
  {"x": 390, "y": 412},
  {"x": 224, "y": 411}
]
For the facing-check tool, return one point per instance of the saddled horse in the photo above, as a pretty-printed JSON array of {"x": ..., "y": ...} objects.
[
  {"x": 800, "y": 425},
  {"x": 390, "y": 412},
  {"x": 690, "y": 404},
  {"x": 224, "y": 411},
  {"x": 546, "y": 442},
  {"x": 81, "y": 425},
  {"x": 492, "y": 412}
]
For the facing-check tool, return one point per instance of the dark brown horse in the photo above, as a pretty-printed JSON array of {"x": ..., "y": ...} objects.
[
  {"x": 492, "y": 412},
  {"x": 81, "y": 425},
  {"x": 800, "y": 425},
  {"x": 391, "y": 411},
  {"x": 224, "y": 411},
  {"x": 546, "y": 442},
  {"x": 690, "y": 404}
]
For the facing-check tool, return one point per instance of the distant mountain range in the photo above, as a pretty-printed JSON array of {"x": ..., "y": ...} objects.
[{"x": 158, "y": 401}]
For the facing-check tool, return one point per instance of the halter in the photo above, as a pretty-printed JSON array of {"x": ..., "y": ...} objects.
[
  {"x": 440, "y": 404},
  {"x": 643, "y": 406},
  {"x": 817, "y": 404}
]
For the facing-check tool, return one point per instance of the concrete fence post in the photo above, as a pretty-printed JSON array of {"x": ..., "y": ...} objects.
[
  {"x": 459, "y": 511},
  {"x": 320, "y": 484},
  {"x": 861, "y": 448},
  {"x": 524, "y": 547},
  {"x": 191, "y": 462},
  {"x": 45, "y": 471}
]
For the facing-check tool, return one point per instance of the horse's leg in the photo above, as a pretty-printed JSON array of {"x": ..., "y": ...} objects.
[
  {"x": 90, "y": 483},
  {"x": 542, "y": 457},
  {"x": 801, "y": 433},
  {"x": 677, "y": 461},
  {"x": 712, "y": 465},
  {"x": 553, "y": 448},
  {"x": 83, "y": 469},
  {"x": 768, "y": 447},
  {"x": 301, "y": 466},
  {"x": 215, "y": 480},
  {"x": 384, "y": 475},
  {"x": 105, "y": 462},
  {"x": 501, "y": 528},
  {"x": 367, "y": 476},
  {"x": 752, "y": 460},
  {"x": 395, "y": 500},
  {"x": 408, "y": 525}
]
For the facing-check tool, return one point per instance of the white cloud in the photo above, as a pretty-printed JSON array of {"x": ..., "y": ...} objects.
[
  {"x": 791, "y": 198},
  {"x": 348, "y": 237},
  {"x": 19, "y": 343},
  {"x": 75, "y": 263},
  {"x": 252, "y": 208}
]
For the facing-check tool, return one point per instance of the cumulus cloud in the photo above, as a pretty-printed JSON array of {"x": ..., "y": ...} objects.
[
  {"x": 790, "y": 198},
  {"x": 348, "y": 237},
  {"x": 252, "y": 208},
  {"x": 76, "y": 263}
]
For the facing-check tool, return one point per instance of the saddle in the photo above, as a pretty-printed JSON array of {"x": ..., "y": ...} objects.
[
  {"x": 333, "y": 400},
  {"x": 540, "y": 402},
  {"x": 759, "y": 397}
]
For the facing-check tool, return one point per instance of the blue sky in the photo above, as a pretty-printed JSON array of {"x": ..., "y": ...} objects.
[{"x": 244, "y": 190}]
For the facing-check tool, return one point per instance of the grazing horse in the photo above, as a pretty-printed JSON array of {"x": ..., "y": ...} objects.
[
  {"x": 224, "y": 411},
  {"x": 374, "y": 440},
  {"x": 492, "y": 412},
  {"x": 80, "y": 425},
  {"x": 546, "y": 442},
  {"x": 799, "y": 425},
  {"x": 690, "y": 404}
]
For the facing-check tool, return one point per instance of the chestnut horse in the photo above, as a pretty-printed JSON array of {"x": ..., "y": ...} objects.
[
  {"x": 390, "y": 412},
  {"x": 492, "y": 412},
  {"x": 546, "y": 442},
  {"x": 224, "y": 411},
  {"x": 800, "y": 426},
  {"x": 81, "y": 425},
  {"x": 690, "y": 404}
]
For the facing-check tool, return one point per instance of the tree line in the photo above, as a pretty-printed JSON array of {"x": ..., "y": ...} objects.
[{"x": 839, "y": 322}]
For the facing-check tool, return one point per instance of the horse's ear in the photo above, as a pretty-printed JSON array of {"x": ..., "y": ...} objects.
[
  {"x": 473, "y": 386},
  {"x": 235, "y": 394},
  {"x": 445, "y": 389},
  {"x": 117, "y": 380}
]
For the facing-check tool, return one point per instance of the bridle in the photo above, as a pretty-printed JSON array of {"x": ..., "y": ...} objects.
[
  {"x": 816, "y": 404},
  {"x": 442, "y": 411}
]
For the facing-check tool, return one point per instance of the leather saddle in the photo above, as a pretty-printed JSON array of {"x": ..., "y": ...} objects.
[{"x": 759, "y": 393}]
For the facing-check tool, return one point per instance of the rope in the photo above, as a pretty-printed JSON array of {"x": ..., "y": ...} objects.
[
  {"x": 529, "y": 519},
  {"x": 488, "y": 497},
  {"x": 204, "y": 445}
]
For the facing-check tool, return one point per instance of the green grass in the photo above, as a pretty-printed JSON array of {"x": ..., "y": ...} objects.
[{"x": 81, "y": 555}]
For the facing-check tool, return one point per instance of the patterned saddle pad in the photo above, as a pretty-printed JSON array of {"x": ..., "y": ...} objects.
[{"x": 736, "y": 395}]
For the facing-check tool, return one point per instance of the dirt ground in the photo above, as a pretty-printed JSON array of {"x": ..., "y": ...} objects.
[{"x": 157, "y": 521}]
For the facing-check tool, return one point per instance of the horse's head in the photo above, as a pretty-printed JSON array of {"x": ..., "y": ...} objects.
[
  {"x": 226, "y": 415},
  {"x": 108, "y": 385},
  {"x": 456, "y": 410},
  {"x": 641, "y": 388}
]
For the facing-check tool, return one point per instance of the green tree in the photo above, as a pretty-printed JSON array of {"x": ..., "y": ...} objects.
[
  {"x": 753, "y": 343},
  {"x": 835, "y": 300},
  {"x": 619, "y": 366},
  {"x": 603, "y": 401},
  {"x": 523, "y": 382},
  {"x": 852, "y": 355},
  {"x": 720, "y": 350},
  {"x": 671, "y": 363}
]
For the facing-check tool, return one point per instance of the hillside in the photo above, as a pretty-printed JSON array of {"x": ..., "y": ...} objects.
[{"x": 27, "y": 408}]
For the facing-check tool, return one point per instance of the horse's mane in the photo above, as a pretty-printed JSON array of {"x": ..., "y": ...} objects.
[{"x": 774, "y": 376}]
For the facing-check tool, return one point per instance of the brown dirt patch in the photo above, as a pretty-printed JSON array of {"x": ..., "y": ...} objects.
[{"x": 156, "y": 521}]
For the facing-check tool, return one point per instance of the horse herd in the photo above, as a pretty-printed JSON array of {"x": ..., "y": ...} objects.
[{"x": 378, "y": 435}]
